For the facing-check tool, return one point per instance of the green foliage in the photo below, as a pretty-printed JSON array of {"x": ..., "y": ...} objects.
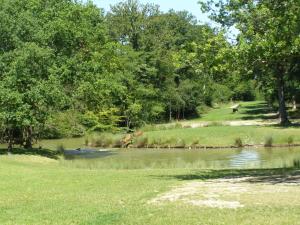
[
  {"x": 269, "y": 141},
  {"x": 141, "y": 142},
  {"x": 290, "y": 140},
  {"x": 238, "y": 142},
  {"x": 222, "y": 93},
  {"x": 268, "y": 42},
  {"x": 63, "y": 124},
  {"x": 202, "y": 109},
  {"x": 244, "y": 91},
  {"x": 106, "y": 120},
  {"x": 67, "y": 67}
]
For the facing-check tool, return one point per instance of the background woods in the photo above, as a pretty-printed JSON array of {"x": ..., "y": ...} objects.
[{"x": 68, "y": 67}]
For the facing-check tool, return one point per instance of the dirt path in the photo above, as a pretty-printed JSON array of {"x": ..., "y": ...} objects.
[{"x": 229, "y": 123}]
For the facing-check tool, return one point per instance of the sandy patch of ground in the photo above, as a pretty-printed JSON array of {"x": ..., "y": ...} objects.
[
  {"x": 231, "y": 193},
  {"x": 233, "y": 123}
]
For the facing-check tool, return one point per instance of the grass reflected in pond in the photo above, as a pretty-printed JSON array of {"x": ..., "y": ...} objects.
[{"x": 194, "y": 159}]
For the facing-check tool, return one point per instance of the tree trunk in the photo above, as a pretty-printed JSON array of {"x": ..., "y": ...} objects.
[
  {"x": 10, "y": 146},
  {"x": 294, "y": 103},
  {"x": 170, "y": 113},
  {"x": 283, "y": 116},
  {"x": 28, "y": 138}
]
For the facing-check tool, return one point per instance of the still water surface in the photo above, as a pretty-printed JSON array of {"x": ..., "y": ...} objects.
[{"x": 209, "y": 159}]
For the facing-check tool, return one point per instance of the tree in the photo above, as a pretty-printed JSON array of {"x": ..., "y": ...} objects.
[
  {"x": 268, "y": 41},
  {"x": 28, "y": 92},
  {"x": 128, "y": 21}
]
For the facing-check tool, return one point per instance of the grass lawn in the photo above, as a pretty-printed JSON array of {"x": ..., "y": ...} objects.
[
  {"x": 225, "y": 135},
  {"x": 256, "y": 110},
  {"x": 36, "y": 190}
]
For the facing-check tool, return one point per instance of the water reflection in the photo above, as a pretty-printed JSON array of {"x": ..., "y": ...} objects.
[
  {"x": 86, "y": 154},
  {"x": 206, "y": 159},
  {"x": 245, "y": 158}
]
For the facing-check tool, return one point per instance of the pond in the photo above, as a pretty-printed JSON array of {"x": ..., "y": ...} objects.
[{"x": 177, "y": 158}]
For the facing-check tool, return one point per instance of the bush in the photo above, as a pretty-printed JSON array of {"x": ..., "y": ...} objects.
[
  {"x": 195, "y": 143},
  {"x": 117, "y": 143},
  {"x": 180, "y": 143},
  {"x": 202, "y": 109},
  {"x": 103, "y": 140},
  {"x": 290, "y": 140},
  {"x": 244, "y": 91},
  {"x": 221, "y": 93},
  {"x": 77, "y": 131},
  {"x": 178, "y": 126},
  {"x": 238, "y": 142},
  {"x": 141, "y": 142},
  {"x": 63, "y": 124},
  {"x": 268, "y": 141},
  {"x": 102, "y": 121}
]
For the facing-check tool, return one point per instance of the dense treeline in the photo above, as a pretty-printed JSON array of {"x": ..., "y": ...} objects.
[{"x": 67, "y": 67}]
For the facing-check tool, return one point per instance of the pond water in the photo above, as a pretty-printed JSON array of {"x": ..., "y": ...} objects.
[{"x": 177, "y": 158}]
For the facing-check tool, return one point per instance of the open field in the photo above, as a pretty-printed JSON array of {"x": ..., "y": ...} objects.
[{"x": 35, "y": 190}]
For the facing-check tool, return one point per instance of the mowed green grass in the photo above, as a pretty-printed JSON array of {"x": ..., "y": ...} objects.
[
  {"x": 35, "y": 190},
  {"x": 226, "y": 135},
  {"x": 255, "y": 110}
]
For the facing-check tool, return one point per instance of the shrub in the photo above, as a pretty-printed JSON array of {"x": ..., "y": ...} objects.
[
  {"x": 149, "y": 127},
  {"x": 180, "y": 143},
  {"x": 141, "y": 142},
  {"x": 244, "y": 91},
  {"x": 238, "y": 142},
  {"x": 215, "y": 124},
  {"x": 296, "y": 164},
  {"x": 290, "y": 140},
  {"x": 170, "y": 142},
  {"x": 155, "y": 143},
  {"x": 77, "y": 131},
  {"x": 221, "y": 93},
  {"x": 268, "y": 141},
  {"x": 178, "y": 126},
  {"x": 63, "y": 124},
  {"x": 102, "y": 121},
  {"x": 202, "y": 109},
  {"x": 117, "y": 143},
  {"x": 102, "y": 140},
  {"x": 195, "y": 143}
]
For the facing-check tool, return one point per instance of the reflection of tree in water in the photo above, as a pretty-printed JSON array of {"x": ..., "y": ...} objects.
[
  {"x": 244, "y": 158},
  {"x": 86, "y": 154},
  {"x": 296, "y": 163}
]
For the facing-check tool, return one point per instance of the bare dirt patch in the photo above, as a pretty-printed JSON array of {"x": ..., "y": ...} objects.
[{"x": 231, "y": 193}]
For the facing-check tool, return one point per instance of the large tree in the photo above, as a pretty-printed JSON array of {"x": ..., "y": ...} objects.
[{"x": 268, "y": 39}]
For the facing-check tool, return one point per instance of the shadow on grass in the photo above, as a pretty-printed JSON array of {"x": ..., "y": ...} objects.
[
  {"x": 270, "y": 176},
  {"x": 258, "y": 111},
  {"x": 34, "y": 151},
  {"x": 294, "y": 114},
  {"x": 292, "y": 125}
]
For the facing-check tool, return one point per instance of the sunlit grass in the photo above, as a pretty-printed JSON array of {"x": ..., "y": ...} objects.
[
  {"x": 226, "y": 135},
  {"x": 38, "y": 192},
  {"x": 256, "y": 110}
]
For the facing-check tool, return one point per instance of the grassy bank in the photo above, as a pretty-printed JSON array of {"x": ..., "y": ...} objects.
[
  {"x": 212, "y": 136},
  {"x": 35, "y": 190},
  {"x": 224, "y": 136}
]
